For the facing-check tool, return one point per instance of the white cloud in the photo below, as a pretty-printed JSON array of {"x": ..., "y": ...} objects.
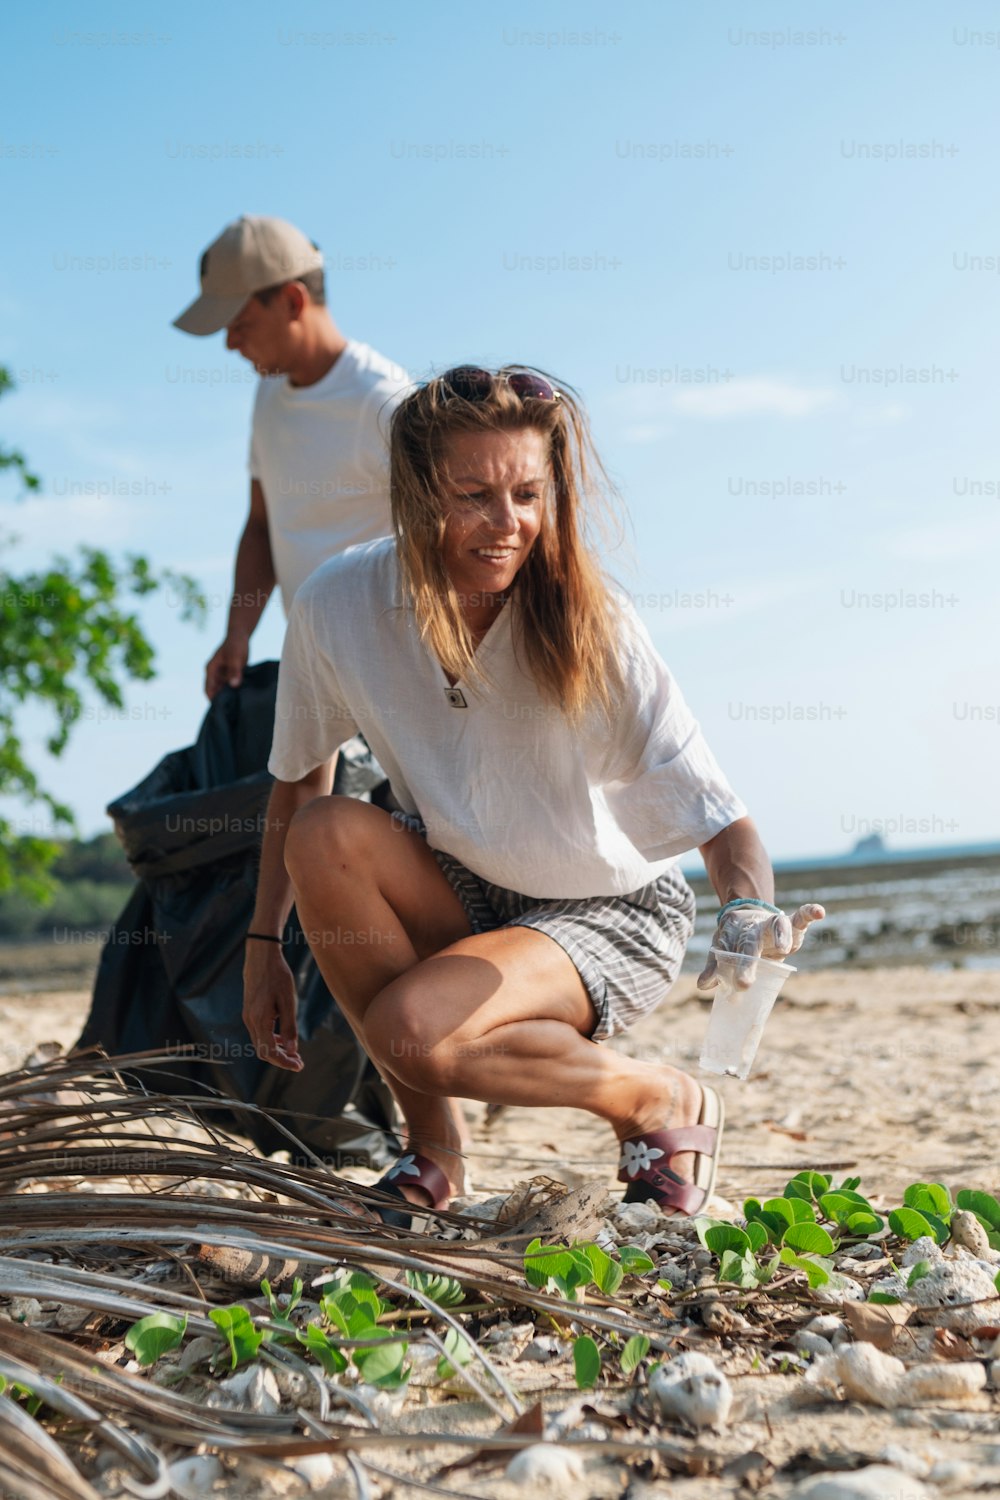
[
  {"x": 47, "y": 522},
  {"x": 750, "y": 397}
]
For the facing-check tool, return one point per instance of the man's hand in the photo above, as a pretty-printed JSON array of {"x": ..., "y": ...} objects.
[
  {"x": 226, "y": 667},
  {"x": 269, "y": 1006},
  {"x": 757, "y": 933}
]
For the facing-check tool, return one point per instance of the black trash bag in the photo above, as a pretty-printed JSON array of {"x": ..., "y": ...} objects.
[{"x": 171, "y": 970}]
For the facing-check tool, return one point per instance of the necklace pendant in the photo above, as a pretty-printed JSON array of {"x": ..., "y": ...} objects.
[{"x": 455, "y": 697}]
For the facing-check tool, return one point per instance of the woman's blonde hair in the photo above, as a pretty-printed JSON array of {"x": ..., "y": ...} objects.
[{"x": 566, "y": 616}]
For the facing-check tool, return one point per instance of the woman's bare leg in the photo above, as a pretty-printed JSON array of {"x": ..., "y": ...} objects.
[
  {"x": 502, "y": 1016},
  {"x": 372, "y": 902}
]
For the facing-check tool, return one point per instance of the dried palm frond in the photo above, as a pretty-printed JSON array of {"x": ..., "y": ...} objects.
[{"x": 108, "y": 1190}]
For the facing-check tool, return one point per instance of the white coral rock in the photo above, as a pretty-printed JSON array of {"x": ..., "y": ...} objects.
[
  {"x": 547, "y": 1466},
  {"x": 190, "y": 1478},
  {"x": 636, "y": 1218},
  {"x": 869, "y": 1375},
  {"x": 843, "y": 1289},
  {"x": 950, "y": 1282},
  {"x": 692, "y": 1389},
  {"x": 967, "y": 1231},
  {"x": 252, "y": 1389},
  {"x": 943, "y": 1382},
  {"x": 924, "y": 1248},
  {"x": 877, "y": 1482}
]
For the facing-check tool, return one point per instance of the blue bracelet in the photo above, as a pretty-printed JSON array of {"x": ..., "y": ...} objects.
[{"x": 747, "y": 901}]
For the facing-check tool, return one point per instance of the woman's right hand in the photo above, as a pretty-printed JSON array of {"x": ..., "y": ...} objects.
[
  {"x": 757, "y": 933},
  {"x": 270, "y": 1005}
]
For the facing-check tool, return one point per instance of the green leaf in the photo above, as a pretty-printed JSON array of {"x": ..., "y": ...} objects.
[
  {"x": 542, "y": 1261},
  {"x": 816, "y": 1273},
  {"x": 741, "y": 1269},
  {"x": 850, "y": 1183},
  {"x": 381, "y": 1363},
  {"x": 983, "y": 1205},
  {"x": 318, "y": 1344},
  {"x": 459, "y": 1352},
  {"x": 278, "y": 1311},
  {"x": 567, "y": 1286},
  {"x": 334, "y": 1313},
  {"x": 777, "y": 1214},
  {"x": 634, "y": 1262},
  {"x": 808, "y": 1239},
  {"x": 368, "y": 1302},
  {"x": 586, "y": 1362},
  {"x": 864, "y": 1224},
  {"x": 614, "y": 1279},
  {"x": 839, "y": 1206},
  {"x": 352, "y": 1310},
  {"x": 154, "y": 1335},
  {"x": 606, "y": 1273},
  {"x": 665, "y": 1285},
  {"x": 929, "y": 1198},
  {"x": 723, "y": 1237},
  {"x": 69, "y": 635},
  {"x": 634, "y": 1353},
  {"x": 359, "y": 1321},
  {"x": 807, "y": 1185},
  {"x": 773, "y": 1224},
  {"x": 757, "y": 1235},
  {"x": 732, "y": 1266},
  {"x": 909, "y": 1224},
  {"x": 996, "y": 1281},
  {"x": 444, "y": 1290},
  {"x": 885, "y": 1297},
  {"x": 768, "y": 1270},
  {"x": 782, "y": 1207},
  {"x": 918, "y": 1272},
  {"x": 237, "y": 1328}
]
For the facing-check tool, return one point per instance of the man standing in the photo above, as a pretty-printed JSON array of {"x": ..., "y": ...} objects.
[{"x": 319, "y": 473}]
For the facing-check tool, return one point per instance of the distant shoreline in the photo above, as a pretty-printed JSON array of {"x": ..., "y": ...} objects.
[
  {"x": 925, "y": 907},
  {"x": 888, "y": 858}
]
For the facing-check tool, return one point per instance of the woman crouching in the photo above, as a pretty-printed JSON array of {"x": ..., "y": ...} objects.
[{"x": 526, "y": 904}]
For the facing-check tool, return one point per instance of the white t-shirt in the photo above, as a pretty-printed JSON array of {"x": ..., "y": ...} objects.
[
  {"x": 506, "y": 784},
  {"x": 320, "y": 453}
]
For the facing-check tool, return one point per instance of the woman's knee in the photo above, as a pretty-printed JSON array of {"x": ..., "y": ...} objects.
[
  {"x": 336, "y": 830},
  {"x": 400, "y": 1037}
]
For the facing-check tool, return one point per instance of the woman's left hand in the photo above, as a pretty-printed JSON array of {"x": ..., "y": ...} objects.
[{"x": 757, "y": 933}]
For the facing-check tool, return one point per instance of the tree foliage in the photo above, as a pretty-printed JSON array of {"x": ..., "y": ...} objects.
[{"x": 67, "y": 631}]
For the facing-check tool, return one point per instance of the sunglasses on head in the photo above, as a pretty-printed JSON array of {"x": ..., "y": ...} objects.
[{"x": 473, "y": 384}]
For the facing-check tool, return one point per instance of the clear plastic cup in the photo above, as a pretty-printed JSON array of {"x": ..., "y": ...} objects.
[{"x": 738, "y": 1017}]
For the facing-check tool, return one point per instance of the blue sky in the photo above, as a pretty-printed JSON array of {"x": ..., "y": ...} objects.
[{"x": 616, "y": 193}]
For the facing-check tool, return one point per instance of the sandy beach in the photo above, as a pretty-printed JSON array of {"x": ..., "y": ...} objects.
[{"x": 886, "y": 1074}]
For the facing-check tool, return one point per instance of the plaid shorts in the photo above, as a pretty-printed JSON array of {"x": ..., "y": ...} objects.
[{"x": 627, "y": 950}]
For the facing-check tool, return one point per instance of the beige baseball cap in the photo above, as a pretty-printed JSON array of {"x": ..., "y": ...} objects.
[{"x": 250, "y": 254}]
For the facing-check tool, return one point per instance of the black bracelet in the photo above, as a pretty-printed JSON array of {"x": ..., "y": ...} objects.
[{"x": 265, "y": 937}]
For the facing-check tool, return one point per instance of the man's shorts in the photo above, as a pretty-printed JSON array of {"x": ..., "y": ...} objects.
[{"x": 628, "y": 950}]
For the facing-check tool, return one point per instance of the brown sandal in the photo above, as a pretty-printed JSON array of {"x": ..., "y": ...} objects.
[
  {"x": 645, "y": 1161},
  {"x": 417, "y": 1172}
]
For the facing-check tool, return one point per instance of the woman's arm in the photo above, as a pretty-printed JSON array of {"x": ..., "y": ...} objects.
[
  {"x": 269, "y": 999},
  {"x": 740, "y": 871},
  {"x": 737, "y": 863}
]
